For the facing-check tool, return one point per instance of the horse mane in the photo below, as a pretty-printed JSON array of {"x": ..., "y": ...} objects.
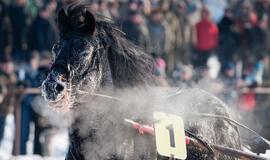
[{"x": 130, "y": 66}]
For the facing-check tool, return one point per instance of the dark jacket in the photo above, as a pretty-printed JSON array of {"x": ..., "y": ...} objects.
[
  {"x": 157, "y": 33},
  {"x": 5, "y": 34},
  {"x": 42, "y": 35},
  {"x": 4, "y": 29},
  {"x": 138, "y": 34},
  {"x": 18, "y": 18},
  {"x": 229, "y": 40}
]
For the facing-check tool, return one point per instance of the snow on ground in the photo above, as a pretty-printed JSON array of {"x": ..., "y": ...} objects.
[{"x": 59, "y": 144}]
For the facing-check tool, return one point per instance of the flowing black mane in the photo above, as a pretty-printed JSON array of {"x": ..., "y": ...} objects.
[{"x": 129, "y": 65}]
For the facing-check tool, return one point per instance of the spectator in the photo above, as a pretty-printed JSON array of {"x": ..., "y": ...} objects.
[
  {"x": 18, "y": 18},
  {"x": 206, "y": 38},
  {"x": 229, "y": 80},
  {"x": 247, "y": 100},
  {"x": 43, "y": 33},
  {"x": 27, "y": 113},
  {"x": 186, "y": 35},
  {"x": 103, "y": 8},
  {"x": 133, "y": 5},
  {"x": 185, "y": 74},
  {"x": 193, "y": 9},
  {"x": 7, "y": 91},
  {"x": 260, "y": 36},
  {"x": 136, "y": 30},
  {"x": 260, "y": 67},
  {"x": 265, "y": 59},
  {"x": 228, "y": 38},
  {"x": 246, "y": 21},
  {"x": 174, "y": 32},
  {"x": 68, "y": 2},
  {"x": 158, "y": 31},
  {"x": 113, "y": 10},
  {"x": 4, "y": 30},
  {"x": 262, "y": 7}
]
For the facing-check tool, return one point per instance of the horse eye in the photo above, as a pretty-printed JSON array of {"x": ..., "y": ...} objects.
[
  {"x": 55, "y": 47},
  {"x": 55, "y": 50},
  {"x": 85, "y": 53}
]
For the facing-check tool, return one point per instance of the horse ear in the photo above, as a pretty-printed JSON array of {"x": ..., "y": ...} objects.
[
  {"x": 90, "y": 22},
  {"x": 62, "y": 21}
]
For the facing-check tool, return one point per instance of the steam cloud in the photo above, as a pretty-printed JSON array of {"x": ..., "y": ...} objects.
[{"x": 106, "y": 117}]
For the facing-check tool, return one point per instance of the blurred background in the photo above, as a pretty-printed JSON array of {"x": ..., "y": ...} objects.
[{"x": 222, "y": 46}]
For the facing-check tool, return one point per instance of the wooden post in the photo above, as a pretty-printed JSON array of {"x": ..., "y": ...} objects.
[
  {"x": 17, "y": 138},
  {"x": 19, "y": 94}
]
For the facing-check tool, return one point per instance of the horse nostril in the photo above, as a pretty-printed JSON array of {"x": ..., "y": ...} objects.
[{"x": 59, "y": 88}]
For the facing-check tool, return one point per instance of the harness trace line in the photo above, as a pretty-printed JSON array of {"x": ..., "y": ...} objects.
[{"x": 198, "y": 142}]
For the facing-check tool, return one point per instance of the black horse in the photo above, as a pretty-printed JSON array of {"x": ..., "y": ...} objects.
[{"x": 93, "y": 54}]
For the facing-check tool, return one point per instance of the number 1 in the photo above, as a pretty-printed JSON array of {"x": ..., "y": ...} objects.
[{"x": 171, "y": 132}]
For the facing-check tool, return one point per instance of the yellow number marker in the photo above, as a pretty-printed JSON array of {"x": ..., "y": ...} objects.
[{"x": 170, "y": 135}]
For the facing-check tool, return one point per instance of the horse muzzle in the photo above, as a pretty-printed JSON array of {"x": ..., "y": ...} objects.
[{"x": 53, "y": 91}]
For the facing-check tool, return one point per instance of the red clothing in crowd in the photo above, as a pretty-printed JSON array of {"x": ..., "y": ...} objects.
[
  {"x": 248, "y": 102},
  {"x": 207, "y": 35}
]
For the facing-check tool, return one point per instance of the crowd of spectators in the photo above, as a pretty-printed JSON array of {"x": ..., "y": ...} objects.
[{"x": 195, "y": 43}]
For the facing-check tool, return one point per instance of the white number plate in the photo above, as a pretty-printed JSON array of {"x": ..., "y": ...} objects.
[{"x": 170, "y": 135}]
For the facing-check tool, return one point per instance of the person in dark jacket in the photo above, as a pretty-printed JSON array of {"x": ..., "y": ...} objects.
[
  {"x": 260, "y": 36},
  {"x": 136, "y": 29},
  {"x": 18, "y": 18},
  {"x": 228, "y": 38},
  {"x": 157, "y": 32},
  {"x": 43, "y": 33},
  {"x": 27, "y": 114},
  {"x": 4, "y": 29}
]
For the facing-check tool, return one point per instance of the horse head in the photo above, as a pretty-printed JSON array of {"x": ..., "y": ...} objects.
[{"x": 91, "y": 53}]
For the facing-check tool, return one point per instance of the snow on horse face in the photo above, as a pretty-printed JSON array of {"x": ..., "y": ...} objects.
[{"x": 74, "y": 61}]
